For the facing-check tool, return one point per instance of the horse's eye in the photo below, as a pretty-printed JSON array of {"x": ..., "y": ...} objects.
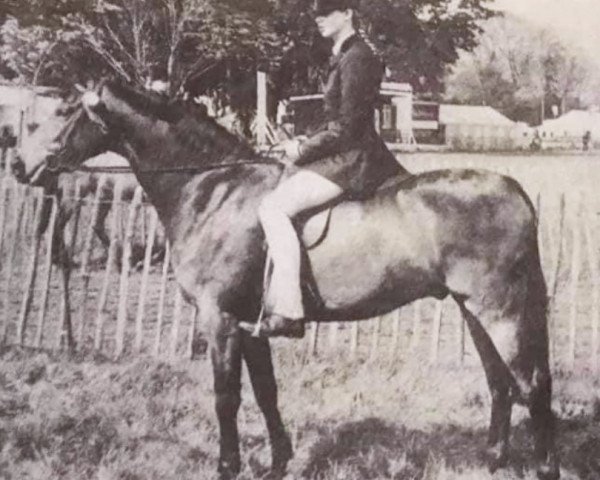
[{"x": 32, "y": 127}]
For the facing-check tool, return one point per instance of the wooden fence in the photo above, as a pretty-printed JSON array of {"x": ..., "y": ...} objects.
[{"x": 139, "y": 310}]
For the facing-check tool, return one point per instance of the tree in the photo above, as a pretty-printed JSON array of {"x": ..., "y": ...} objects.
[{"x": 519, "y": 70}]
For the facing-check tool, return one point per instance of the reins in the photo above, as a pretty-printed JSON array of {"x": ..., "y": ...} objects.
[{"x": 120, "y": 169}]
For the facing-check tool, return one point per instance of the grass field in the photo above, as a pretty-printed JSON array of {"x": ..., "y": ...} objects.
[{"x": 142, "y": 418}]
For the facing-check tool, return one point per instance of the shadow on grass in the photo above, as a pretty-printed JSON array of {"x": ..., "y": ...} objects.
[{"x": 373, "y": 448}]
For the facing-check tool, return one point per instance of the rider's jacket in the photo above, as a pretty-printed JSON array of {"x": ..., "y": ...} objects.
[{"x": 346, "y": 148}]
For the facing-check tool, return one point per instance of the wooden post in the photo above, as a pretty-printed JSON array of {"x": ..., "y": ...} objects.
[
  {"x": 334, "y": 328},
  {"x": 575, "y": 267},
  {"x": 314, "y": 338},
  {"x": 112, "y": 249},
  {"x": 177, "y": 309},
  {"x": 435, "y": 334},
  {"x": 558, "y": 254},
  {"x": 559, "y": 247},
  {"x": 415, "y": 338},
  {"x": 76, "y": 218},
  {"x": 590, "y": 241},
  {"x": 139, "y": 326},
  {"x": 4, "y": 198},
  {"x": 192, "y": 333},
  {"x": 161, "y": 299},
  {"x": 354, "y": 339},
  {"x": 375, "y": 338},
  {"x": 37, "y": 204},
  {"x": 19, "y": 198},
  {"x": 85, "y": 260},
  {"x": 47, "y": 272},
  {"x": 395, "y": 335},
  {"x": 3, "y": 208},
  {"x": 461, "y": 339},
  {"x": 124, "y": 279},
  {"x": 261, "y": 108}
]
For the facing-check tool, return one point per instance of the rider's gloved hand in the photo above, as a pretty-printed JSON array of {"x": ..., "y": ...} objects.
[{"x": 291, "y": 149}]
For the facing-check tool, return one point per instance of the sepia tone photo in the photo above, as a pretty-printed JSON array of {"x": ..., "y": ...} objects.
[{"x": 299, "y": 239}]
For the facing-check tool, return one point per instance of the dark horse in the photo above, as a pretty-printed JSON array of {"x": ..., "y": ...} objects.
[{"x": 464, "y": 233}]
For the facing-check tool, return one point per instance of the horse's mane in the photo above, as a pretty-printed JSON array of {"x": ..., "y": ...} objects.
[{"x": 190, "y": 123}]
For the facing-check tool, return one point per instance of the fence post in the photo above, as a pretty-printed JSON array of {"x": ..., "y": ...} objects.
[
  {"x": 161, "y": 299},
  {"x": 575, "y": 267},
  {"x": 590, "y": 241},
  {"x": 461, "y": 339},
  {"x": 124, "y": 278},
  {"x": 85, "y": 260},
  {"x": 556, "y": 264},
  {"x": 177, "y": 310},
  {"x": 139, "y": 317},
  {"x": 354, "y": 339},
  {"x": 37, "y": 205},
  {"x": 415, "y": 338},
  {"x": 15, "y": 227},
  {"x": 114, "y": 224},
  {"x": 375, "y": 338},
  {"x": 395, "y": 335},
  {"x": 334, "y": 328},
  {"x": 48, "y": 272},
  {"x": 436, "y": 330},
  {"x": 4, "y": 197},
  {"x": 314, "y": 338},
  {"x": 192, "y": 332}
]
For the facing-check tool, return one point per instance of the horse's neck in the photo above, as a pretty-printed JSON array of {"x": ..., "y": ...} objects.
[{"x": 181, "y": 198}]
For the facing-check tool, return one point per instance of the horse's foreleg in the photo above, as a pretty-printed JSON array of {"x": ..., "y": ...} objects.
[
  {"x": 257, "y": 354},
  {"x": 226, "y": 357}
]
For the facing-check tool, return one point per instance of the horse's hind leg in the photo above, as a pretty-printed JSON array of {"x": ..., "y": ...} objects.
[
  {"x": 507, "y": 318},
  {"x": 498, "y": 378},
  {"x": 540, "y": 408},
  {"x": 257, "y": 354}
]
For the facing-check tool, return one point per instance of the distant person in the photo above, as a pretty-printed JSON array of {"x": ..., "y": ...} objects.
[
  {"x": 587, "y": 137},
  {"x": 536, "y": 142}
]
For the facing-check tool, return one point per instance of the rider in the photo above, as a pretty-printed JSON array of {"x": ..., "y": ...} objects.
[{"x": 345, "y": 155}]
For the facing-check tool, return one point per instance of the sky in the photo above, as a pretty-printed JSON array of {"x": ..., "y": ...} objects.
[{"x": 577, "y": 22}]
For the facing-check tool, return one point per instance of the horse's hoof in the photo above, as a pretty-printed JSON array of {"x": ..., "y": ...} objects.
[
  {"x": 497, "y": 457},
  {"x": 282, "y": 454},
  {"x": 228, "y": 470},
  {"x": 549, "y": 471}
]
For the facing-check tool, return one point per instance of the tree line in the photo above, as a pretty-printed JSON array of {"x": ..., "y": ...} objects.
[{"x": 215, "y": 46}]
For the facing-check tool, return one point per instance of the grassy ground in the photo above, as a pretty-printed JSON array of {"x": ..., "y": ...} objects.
[{"x": 144, "y": 419}]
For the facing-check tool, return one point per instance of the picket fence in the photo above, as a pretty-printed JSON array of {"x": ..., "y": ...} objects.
[{"x": 138, "y": 310}]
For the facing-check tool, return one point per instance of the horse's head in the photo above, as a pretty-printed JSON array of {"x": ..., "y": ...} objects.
[
  {"x": 73, "y": 135},
  {"x": 30, "y": 156}
]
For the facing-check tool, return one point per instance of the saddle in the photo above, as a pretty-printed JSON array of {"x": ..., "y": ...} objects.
[{"x": 313, "y": 227}]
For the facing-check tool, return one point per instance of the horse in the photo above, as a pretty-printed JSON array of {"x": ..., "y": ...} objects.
[{"x": 465, "y": 233}]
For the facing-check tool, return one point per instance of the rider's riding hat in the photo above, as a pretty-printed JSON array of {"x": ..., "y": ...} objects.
[{"x": 322, "y": 8}]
